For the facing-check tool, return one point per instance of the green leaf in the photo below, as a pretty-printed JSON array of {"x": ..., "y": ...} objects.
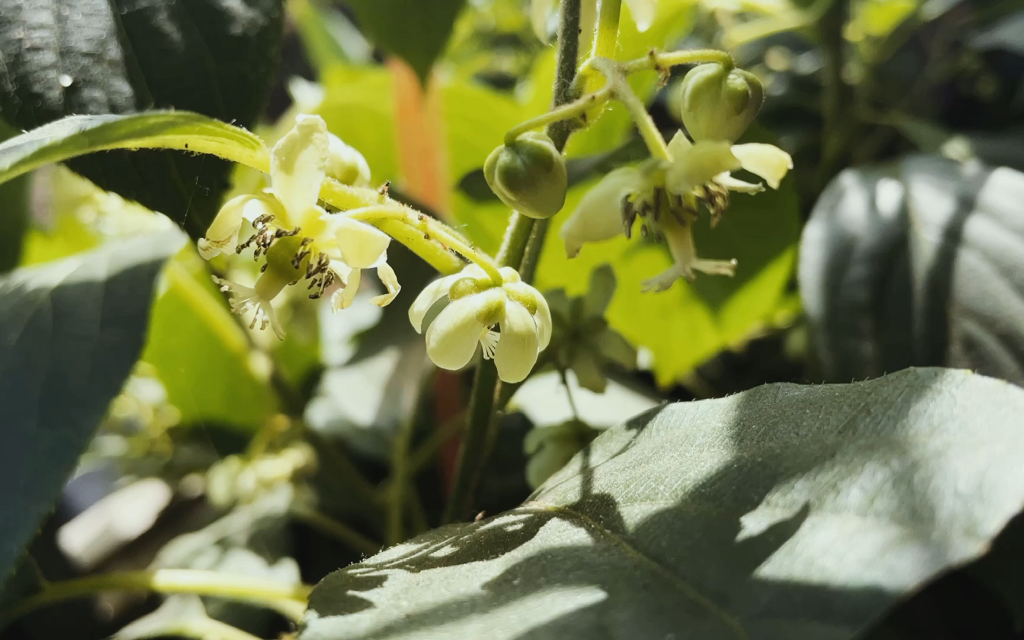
[
  {"x": 917, "y": 264},
  {"x": 70, "y": 332},
  {"x": 15, "y": 214},
  {"x": 79, "y": 135},
  {"x": 215, "y": 57},
  {"x": 201, "y": 353},
  {"x": 413, "y": 30},
  {"x": 782, "y": 512}
]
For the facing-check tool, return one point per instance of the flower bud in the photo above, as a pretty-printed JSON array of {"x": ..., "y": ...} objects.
[
  {"x": 528, "y": 175},
  {"x": 345, "y": 164},
  {"x": 716, "y": 103}
]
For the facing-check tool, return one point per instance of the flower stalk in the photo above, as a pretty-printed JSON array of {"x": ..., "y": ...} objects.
[
  {"x": 288, "y": 600},
  {"x": 479, "y": 434}
]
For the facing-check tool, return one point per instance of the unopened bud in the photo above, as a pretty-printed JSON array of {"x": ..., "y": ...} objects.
[
  {"x": 346, "y": 165},
  {"x": 716, "y": 103},
  {"x": 528, "y": 175}
]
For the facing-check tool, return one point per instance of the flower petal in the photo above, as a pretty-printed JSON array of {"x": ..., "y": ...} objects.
[
  {"x": 361, "y": 245},
  {"x": 343, "y": 297},
  {"x": 222, "y": 236},
  {"x": 765, "y": 160},
  {"x": 697, "y": 163},
  {"x": 732, "y": 184},
  {"x": 345, "y": 164},
  {"x": 453, "y": 335},
  {"x": 298, "y": 164},
  {"x": 518, "y": 345},
  {"x": 390, "y": 280},
  {"x": 529, "y": 297},
  {"x": 435, "y": 291},
  {"x": 599, "y": 214},
  {"x": 643, "y": 12}
]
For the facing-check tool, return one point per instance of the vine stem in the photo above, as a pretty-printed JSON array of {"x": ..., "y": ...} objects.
[
  {"x": 479, "y": 433},
  {"x": 423, "y": 235},
  {"x": 288, "y": 600}
]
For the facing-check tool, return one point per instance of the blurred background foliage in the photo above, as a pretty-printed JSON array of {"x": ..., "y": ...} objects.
[{"x": 235, "y": 451}]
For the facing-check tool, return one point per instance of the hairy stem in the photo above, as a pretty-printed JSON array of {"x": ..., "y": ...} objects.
[
  {"x": 288, "y": 600},
  {"x": 476, "y": 445},
  {"x": 424, "y": 235}
]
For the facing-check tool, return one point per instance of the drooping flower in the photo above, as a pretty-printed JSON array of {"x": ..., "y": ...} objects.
[
  {"x": 667, "y": 196},
  {"x": 295, "y": 237},
  {"x": 475, "y": 307}
]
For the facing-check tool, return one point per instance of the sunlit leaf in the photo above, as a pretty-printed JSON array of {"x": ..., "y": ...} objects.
[
  {"x": 79, "y": 135},
  {"x": 782, "y": 512},
  {"x": 200, "y": 351}
]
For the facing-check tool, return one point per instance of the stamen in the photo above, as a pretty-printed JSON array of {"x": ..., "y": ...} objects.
[{"x": 489, "y": 342}]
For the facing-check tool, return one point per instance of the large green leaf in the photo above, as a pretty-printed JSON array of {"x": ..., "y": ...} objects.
[
  {"x": 14, "y": 214},
  {"x": 413, "y": 30},
  {"x": 201, "y": 353},
  {"x": 782, "y": 512},
  {"x": 215, "y": 57},
  {"x": 79, "y": 135},
  {"x": 916, "y": 264},
  {"x": 70, "y": 332}
]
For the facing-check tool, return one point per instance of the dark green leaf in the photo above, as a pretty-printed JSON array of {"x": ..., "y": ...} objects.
[
  {"x": 14, "y": 214},
  {"x": 413, "y": 30},
  {"x": 782, "y": 512},
  {"x": 70, "y": 332},
  {"x": 917, "y": 264},
  {"x": 215, "y": 57}
]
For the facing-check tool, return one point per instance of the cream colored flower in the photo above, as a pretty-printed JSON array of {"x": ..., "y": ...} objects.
[
  {"x": 475, "y": 307},
  {"x": 711, "y": 161},
  {"x": 667, "y": 196},
  {"x": 297, "y": 238}
]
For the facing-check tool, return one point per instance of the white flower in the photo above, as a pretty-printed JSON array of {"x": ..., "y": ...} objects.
[
  {"x": 667, "y": 195},
  {"x": 475, "y": 307},
  {"x": 243, "y": 298},
  {"x": 694, "y": 164},
  {"x": 599, "y": 214},
  {"x": 298, "y": 238}
]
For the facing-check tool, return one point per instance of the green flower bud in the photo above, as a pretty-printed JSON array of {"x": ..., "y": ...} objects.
[
  {"x": 528, "y": 175},
  {"x": 719, "y": 104}
]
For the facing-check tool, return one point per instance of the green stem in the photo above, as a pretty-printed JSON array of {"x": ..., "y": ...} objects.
[
  {"x": 288, "y": 600},
  {"x": 475, "y": 447},
  {"x": 569, "y": 111},
  {"x": 207, "y": 628},
  {"x": 663, "y": 61},
  {"x": 636, "y": 108},
  {"x": 424, "y": 235},
  {"x": 398, "y": 484},
  {"x": 607, "y": 39},
  {"x": 339, "y": 530}
]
